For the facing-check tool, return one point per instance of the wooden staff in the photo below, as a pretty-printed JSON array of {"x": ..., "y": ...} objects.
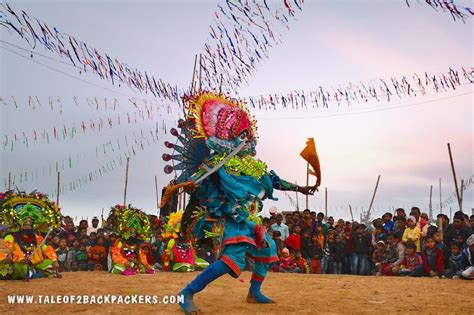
[
  {"x": 372, "y": 201},
  {"x": 352, "y": 216},
  {"x": 57, "y": 189},
  {"x": 126, "y": 184},
  {"x": 430, "y": 207},
  {"x": 454, "y": 177},
  {"x": 440, "y": 202},
  {"x": 325, "y": 202},
  {"x": 9, "y": 181},
  {"x": 307, "y": 183},
  {"x": 194, "y": 74},
  {"x": 156, "y": 193}
]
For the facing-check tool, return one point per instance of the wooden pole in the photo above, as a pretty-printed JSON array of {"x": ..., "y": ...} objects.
[
  {"x": 194, "y": 74},
  {"x": 307, "y": 183},
  {"x": 126, "y": 184},
  {"x": 367, "y": 217},
  {"x": 431, "y": 205},
  {"x": 326, "y": 202},
  {"x": 461, "y": 192},
  {"x": 156, "y": 193},
  {"x": 57, "y": 188},
  {"x": 352, "y": 215},
  {"x": 200, "y": 72},
  {"x": 297, "y": 202},
  {"x": 454, "y": 177},
  {"x": 440, "y": 201},
  {"x": 9, "y": 181}
]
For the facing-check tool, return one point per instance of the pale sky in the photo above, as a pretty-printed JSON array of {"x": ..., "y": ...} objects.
[{"x": 331, "y": 42}]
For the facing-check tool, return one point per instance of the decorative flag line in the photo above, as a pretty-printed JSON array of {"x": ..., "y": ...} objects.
[
  {"x": 380, "y": 90},
  {"x": 81, "y": 55},
  {"x": 456, "y": 11},
  {"x": 241, "y": 36}
]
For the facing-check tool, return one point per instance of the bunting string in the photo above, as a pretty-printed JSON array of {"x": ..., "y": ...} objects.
[{"x": 457, "y": 11}]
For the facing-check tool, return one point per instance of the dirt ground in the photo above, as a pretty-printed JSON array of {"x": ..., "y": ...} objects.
[{"x": 294, "y": 293}]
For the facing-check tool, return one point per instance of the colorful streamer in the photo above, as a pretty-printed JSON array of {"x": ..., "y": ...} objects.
[{"x": 456, "y": 11}]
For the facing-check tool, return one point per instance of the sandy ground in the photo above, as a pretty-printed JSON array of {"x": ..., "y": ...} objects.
[{"x": 294, "y": 293}]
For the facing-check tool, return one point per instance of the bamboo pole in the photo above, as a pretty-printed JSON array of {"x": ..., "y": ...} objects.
[
  {"x": 454, "y": 177},
  {"x": 200, "y": 72},
  {"x": 367, "y": 217},
  {"x": 194, "y": 74},
  {"x": 431, "y": 205},
  {"x": 352, "y": 215},
  {"x": 297, "y": 202},
  {"x": 307, "y": 183},
  {"x": 9, "y": 181},
  {"x": 461, "y": 192},
  {"x": 325, "y": 202},
  {"x": 126, "y": 184},
  {"x": 156, "y": 193},
  {"x": 58, "y": 189},
  {"x": 440, "y": 201}
]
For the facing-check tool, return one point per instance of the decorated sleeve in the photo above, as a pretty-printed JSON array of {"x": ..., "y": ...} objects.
[
  {"x": 117, "y": 255},
  {"x": 49, "y": 252},
  {"x": 18, "y": 255},
  {"x": 281, "y": 184}
]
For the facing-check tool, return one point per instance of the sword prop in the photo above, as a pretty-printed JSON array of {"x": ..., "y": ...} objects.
[{"x": 27, "y": 277}]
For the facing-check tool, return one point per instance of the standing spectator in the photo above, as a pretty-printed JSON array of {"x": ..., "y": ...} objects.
[
  {"x": 388, "y": 224},
  {"x": 401, "y": 213},
  {"x": 94, "y": 227},
  {"x": 316, "y": 252},
  {"x": 412, "y": 234},
  {"x": 281, "y": 227},
  {"x": 421, "y": 223},
  {"x": 346, "y": 266},
  {"x": 308, "y": 221},
  {"x": 293, "y": 242},
  {"x": 320, "y": 222},
  {"x": 306, "y": 244},
  {"x": 287, "y": 264},
  {"x": 327, "y": 257},
  {"x": 62, "y": 252},
  {"x": 411, "y": 262},
  {"x": 360, "y": 252},
  {"x": 68, "y": 230},
  {"x": 330, "y": 223},
  {"x": 432, "y": 260},
  {"x": 72, "y": 256},
  {"x": 81, "y": 257},
  {"x": 460, "y": 227},
  {"x": 399, "y": 228},
  {"x": 339, "y": 254}
]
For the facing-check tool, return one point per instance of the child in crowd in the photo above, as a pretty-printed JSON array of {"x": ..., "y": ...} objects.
[
  {"x": 338, "y": 252},
  {"x": 468, "y": 259},
  {"x": 293, "y": 242},
  {"x": 62, "y": 252},
  {"x": 81, "y": 257},
  {"x": 72, "y": 256},
  {"x": 346, "y": 266},
  {"x": 315, "y": 255},
  {"x": 327, "y": 257},
  {"x": 287, "y": 264},
  {"x": 456, "y": 261},
  {"x": 306, "y": 244},
  {"x": 96, "y": 254},
  {"x": 412, "y": 260},
  {"x": 432, "y": 260},
  {"x": 395, "y": 254},
  {"x": 378, "y": 257},
  {"x": 55, "y": 243},
  {"x": 280, "y": 244},
  {"x": 302, "y": 263},
  {"x": 412, "y": 233}
]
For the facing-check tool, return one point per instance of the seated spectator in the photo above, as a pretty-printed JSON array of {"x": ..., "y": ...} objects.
[
  {"x": 293, "y": 242},
  {"x": 278, "y": 242},
  {"x": 396, "y": 249},
  {"x": 95, "y": 226},
  {"x": 399, "y": 228},
  {"x": 287, "y": 264},
  {"x": 456, "y": 261},
  {"x": 412, "y": 234},
  {"x": 411, "y": 262},
  {"x": 378, "y": 257},
  {"x": 96, "y": 254},
  {"x": 432, "y": 260},
  {"x": 302, "y": 263},
  {"x": 81, "y": 257},
  {"x": 92, "y": 240},
  {"x": 468, "y": 259},
  {"x": 72, "y": 256}
]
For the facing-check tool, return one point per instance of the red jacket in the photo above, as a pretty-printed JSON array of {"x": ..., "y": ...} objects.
[
  {"x": 438, "y": 252},
  {"x": 293, "y": 242}
]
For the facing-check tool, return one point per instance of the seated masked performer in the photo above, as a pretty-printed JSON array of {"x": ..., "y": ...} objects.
[
  {"x": 132, "y": 228},
  {"x": 227, "y": 186},
  {"x": 182, "y": 253},
  {"x": 31, "y": 218}
]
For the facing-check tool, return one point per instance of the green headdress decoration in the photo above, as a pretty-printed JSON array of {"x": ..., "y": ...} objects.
[
  {"x": 124, "y": 219},
  {"x": 16, "y": 207}
]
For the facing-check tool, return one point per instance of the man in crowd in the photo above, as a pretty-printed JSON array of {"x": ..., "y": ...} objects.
[{"x": 280, "y": 227}]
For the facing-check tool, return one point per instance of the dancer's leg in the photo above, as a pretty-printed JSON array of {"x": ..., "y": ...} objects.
[{"x": 211, "y": 273}]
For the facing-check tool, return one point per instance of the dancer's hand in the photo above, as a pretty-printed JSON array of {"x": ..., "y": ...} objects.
[{"x": 307, "y": 190}]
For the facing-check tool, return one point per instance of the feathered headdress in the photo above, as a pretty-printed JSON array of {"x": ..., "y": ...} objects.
[
  {"x": 173, "y": 225},
  {"x": 16, "y": 207},
  {"x": 123, "y": 219}
]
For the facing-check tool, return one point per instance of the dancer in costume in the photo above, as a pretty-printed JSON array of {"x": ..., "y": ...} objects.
[
  {"x": 29, "y": 217},
  {"x": 179, "y": 246},
  {"x": 132, "y": 227},
  {"x": 227, "y": 186}
]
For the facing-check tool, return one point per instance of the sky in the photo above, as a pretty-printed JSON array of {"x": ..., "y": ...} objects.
[{"x": 330, "y": 43}]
